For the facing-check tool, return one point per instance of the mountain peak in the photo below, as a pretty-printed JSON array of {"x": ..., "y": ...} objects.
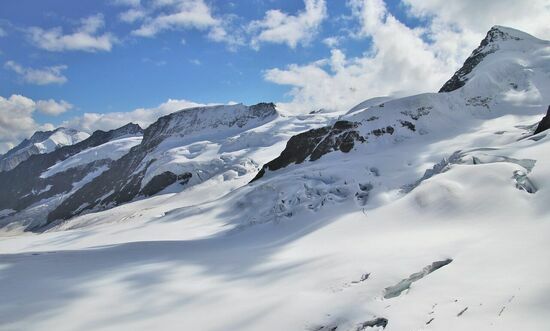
[
  {"x": 499, "y": 32},
  {"x": 201, "y": 119},
  {"x": 497, "y": 38},
  {"x": 39, "y": 143}
]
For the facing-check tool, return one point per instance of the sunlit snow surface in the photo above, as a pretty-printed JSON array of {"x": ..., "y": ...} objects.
[{"x": 292, "y": 251}]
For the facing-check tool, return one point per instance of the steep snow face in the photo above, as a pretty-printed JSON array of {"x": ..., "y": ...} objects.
[
  {"x": 210, "y": 120},
  {"x": 421, "y": 213},
  {"x": 509, "y": 66},
  {"x": 112, "y": 150},
  {"x": 60, "y": 137},
  {"x": 201, "y": 142},
  {"x": 41, "y": 142}
]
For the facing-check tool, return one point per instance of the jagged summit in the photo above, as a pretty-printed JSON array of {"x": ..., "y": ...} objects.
[
  {"x": 190, "y": 120},
  {"x": 497, "y": 38},
  {"x": 499, "y": 32}
]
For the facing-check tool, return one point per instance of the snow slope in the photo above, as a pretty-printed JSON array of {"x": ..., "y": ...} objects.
[
  {"x": 439, "y": 223},
  {"x": 112, "y": 150}
]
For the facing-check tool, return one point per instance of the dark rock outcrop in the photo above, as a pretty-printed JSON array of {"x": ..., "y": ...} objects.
[
  {"x": 162, "y": 181},
  {"x": 313, "y": 144},
  {"x": 544, "y": 124},
  {"x": 377, "y": 322}
]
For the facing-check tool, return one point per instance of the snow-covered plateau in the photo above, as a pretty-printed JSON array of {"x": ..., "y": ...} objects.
[{"x": 428, "y": 212}]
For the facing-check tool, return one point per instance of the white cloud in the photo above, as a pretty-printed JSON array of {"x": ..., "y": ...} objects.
[
  {"x": 52, "y": 107},
  {"x": 86, "y": 37},
  {"x": 43, "y": 76},
  {"x": 332, "y": 41},
  {"x": 479, "y": 16},
  {"x": 90, "y": 122},
  {"x": 281, "y": 28},
  {"x": 16, "y": 121},
  {"x": 403, "y": 60},
  {"x": 163, "y": 15},
  {"x": 185, "y": 14},
  {"x": 339, "y": 82},
  {"x": 132, "y": 15}
]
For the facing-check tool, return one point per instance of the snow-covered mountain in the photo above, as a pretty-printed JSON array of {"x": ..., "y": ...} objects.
[
  {"x": 225, "y": 144},
  {"x": 420, "y": 213},
  {"x": 40, "y": 142},
  {"x": 40, "y": 183}
]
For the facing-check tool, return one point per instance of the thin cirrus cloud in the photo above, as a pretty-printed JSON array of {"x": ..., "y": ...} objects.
[
  {"x": 42, "y": 76},
  {"x": 86, "y": 37}
]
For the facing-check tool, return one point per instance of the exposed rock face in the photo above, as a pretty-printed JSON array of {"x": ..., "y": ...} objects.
[
  {"x": 488, "y": 45},
  {"x": 162, "y": 181},
  {"x": 122, "y": 182},
  {"x": 314, "y": 144},
  {"x": 23, "y": 186},
  {"x": 544, "y": 124},
  {"x": 377, "y": 322}
]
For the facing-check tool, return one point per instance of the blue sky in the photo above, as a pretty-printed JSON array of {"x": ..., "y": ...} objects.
[
  {"x": 94, "y": 57},
  {"x": 143, "y": 72}
]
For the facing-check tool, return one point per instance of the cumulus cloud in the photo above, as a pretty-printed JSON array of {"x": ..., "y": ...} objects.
[
  {"x": 402, "y": 59},
  {"x": 52, "y": 107},
  {"x": 157, "y": 16},
  {"x": 90, "y": 122},
  {"x": 16, "y": 119},
  {"x": 43, "y": 76},
  {"x": 332, "y": 41},
  {"x": 17, "y": 122},
  {"x": 479, "y": 16},
  {"x": 399, "y": 62},
  {"x": 86, "y": 37},
  {"x": 162, "y": 15},
  {"x": 185, "y": 14},
  {"x": 281, "y": 28}
]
